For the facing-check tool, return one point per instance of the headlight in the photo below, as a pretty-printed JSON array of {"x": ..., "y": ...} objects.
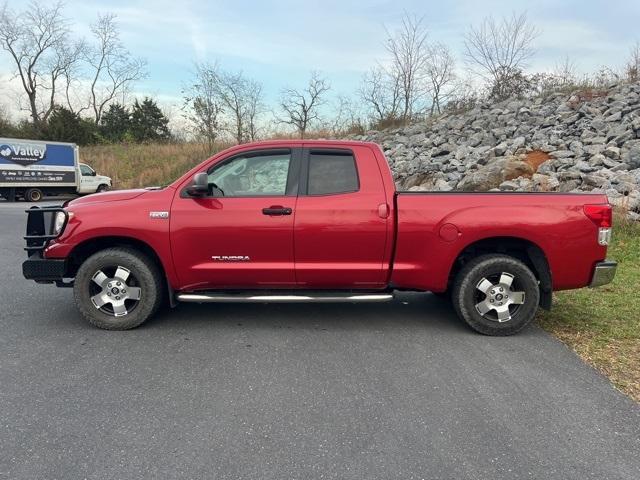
[{"x": 59, "y": 222}]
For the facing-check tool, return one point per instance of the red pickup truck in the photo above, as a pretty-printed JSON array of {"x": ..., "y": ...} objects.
[{"x": 316, "y": 221}]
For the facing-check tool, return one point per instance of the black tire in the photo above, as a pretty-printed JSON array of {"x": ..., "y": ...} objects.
[
  {"x": 33, "y": 195},
  {"x": 143, "y": 274},
  {"x": 467, "y": 293},
  {"x": 102, "y": 188}
]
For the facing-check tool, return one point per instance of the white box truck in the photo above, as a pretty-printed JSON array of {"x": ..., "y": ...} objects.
[{"x": 31, "y": 169}]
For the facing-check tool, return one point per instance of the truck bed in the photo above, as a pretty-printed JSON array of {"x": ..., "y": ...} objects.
[{"x": 433, "y": 228}]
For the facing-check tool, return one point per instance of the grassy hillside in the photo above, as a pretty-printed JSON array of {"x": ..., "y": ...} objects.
[{"x": 132, "y": 166}]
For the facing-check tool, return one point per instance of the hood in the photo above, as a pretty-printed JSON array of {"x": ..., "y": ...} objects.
[{"x": 113, "y": 196}]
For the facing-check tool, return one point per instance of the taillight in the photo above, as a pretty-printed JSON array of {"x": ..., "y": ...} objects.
[{"x": 602, "y": 217}]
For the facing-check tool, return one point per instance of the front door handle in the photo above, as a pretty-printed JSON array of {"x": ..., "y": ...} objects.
[{"x": 277, "y": 210}]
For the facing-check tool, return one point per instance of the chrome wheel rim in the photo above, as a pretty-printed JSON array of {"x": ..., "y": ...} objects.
[
  {"x": 115, "y": 291},
  {"x": 498, "y": 298}
]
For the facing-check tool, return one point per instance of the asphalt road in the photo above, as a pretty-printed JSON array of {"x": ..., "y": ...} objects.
[{"x": 392, "y": 391}]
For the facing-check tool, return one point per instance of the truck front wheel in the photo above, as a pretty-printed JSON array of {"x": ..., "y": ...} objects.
[
  {"x": 496, "y": 295},
  {"x": 118, "y": 288}
]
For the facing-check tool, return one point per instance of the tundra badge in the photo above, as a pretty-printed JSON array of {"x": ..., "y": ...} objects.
[
  {"x": 158, "y": 214},
  {"x": 231, "y": 258}
]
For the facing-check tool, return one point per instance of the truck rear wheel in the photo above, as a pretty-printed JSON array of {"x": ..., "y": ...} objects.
[
  {"x": 496, "y": 295},
  {"x": 33, "y": 195},
  {"x": 118, "y": 288}
]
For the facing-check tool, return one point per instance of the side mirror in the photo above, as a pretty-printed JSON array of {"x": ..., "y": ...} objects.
[
  {"x": 200, "y": 185},
  {"x": 93, "y": 173}
]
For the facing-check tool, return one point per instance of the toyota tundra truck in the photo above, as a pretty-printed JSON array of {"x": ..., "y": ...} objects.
[{"x": 316, "y": 221}]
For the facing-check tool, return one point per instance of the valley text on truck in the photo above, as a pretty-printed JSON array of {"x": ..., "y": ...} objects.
[{"x": 31, "y": 169}]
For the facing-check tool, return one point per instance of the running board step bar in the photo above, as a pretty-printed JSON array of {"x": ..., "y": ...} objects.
[{"x": 203, "y": 297}]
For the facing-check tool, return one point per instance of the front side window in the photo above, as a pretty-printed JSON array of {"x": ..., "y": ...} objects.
[
  {"x": 252, "y": 175},
  {"x": 86, "y": 170},
  {"x": 331, "y": 173}
]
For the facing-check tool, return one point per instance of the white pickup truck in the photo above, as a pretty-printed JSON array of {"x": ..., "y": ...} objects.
[{"x": 31, "y": 169}]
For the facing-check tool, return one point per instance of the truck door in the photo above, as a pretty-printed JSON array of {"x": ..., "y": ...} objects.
[
  {"x": 88, "y": 180},
  {"x": 241, "y": 233},
  {"x": 341, "y": 219}
]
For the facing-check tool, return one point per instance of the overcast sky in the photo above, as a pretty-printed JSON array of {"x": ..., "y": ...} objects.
[{"x": 279, "y": 42}]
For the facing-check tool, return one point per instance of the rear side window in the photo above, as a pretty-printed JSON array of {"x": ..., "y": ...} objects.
[{"x": 331, "y": 172}]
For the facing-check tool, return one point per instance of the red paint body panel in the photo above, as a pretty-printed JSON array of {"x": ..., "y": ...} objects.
[
  {"x": 340, "y": 241},
  {"x": 207, "y": 227},
  {"x": 119, "y": 214},
  {"x": 555, "y": 223}
]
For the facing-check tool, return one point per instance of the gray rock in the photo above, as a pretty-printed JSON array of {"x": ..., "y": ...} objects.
[
  {"x": 614, "y": 117},
  {"x": 517, "y": 143},
  {"x": 632, "y": 157},
  {"x": 612, "y": 152},
  {"x": 508, "y": 185},
  {"x": 594, "y": 144},
  {"x": 562, "y": 154}
]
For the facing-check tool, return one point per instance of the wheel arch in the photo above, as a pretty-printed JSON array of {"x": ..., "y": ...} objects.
[
  {"x": 88, "y": 247},
  {"x": 530, "y": 253},
  {"x": 85, "y": 249}
]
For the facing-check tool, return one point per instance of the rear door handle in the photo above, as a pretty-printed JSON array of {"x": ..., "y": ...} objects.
[{"x": 276, "y": 210}]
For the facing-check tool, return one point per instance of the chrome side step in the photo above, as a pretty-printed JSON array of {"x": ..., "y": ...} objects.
[{"x": 217, "y": 297}]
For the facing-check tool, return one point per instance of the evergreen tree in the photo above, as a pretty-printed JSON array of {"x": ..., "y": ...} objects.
[
  {"x": 65, "y": 126},
  {"x": 148, "y": 122},
  {"x": 115, "y": 123}
]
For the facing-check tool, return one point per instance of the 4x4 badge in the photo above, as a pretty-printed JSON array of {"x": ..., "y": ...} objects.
[{"x": 158, "y": 214}]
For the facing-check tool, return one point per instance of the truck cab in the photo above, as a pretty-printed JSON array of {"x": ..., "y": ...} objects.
[{"x": 90, "y": 181}]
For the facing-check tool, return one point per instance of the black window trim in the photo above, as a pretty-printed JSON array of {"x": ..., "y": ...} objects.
[
  {"x": 304, "y": 173},
  {"x": 293, "y": 174}
]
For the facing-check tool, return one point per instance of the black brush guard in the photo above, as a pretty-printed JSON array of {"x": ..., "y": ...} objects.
[{"x": 40, "y": 226}]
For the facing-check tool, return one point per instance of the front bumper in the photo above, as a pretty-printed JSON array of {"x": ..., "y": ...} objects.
[
  {"x": 44, "y": 270},
  {"x": 603, "y": 273}
]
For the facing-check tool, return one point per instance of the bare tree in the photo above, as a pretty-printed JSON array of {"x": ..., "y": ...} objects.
[
  {"x": 409, "y": 52},
  {"x": 347, "y": 117},
  {"x": 380, "y": 91},
  {"x": 36, "y": 42},
  {"x": 440, "y": 73},
  {"x": 241, "y": 98},
  {"x": 300, "y": 107},
  {"x": 633, "y": 64},
  {"x": 113, "y": 68},
  {"x": 202, "y": 104},
  {"x": 499, "y": 50},
  {"x": 565, "y": 71},
  {"x": 255, "y": 108},
  {"x": 72, "y": 71}
]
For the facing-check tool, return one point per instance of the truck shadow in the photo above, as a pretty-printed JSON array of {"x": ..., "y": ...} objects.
[{"x": 414, "y": 309}]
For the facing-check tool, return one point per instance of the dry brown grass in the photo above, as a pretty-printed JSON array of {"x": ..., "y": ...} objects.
[{"x": 144, "y": 165}]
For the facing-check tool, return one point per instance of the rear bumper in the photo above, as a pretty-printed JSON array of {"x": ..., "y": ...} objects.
[
  {"x": 603, "y": 273},
  {"x": 44, "y": 270}
]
